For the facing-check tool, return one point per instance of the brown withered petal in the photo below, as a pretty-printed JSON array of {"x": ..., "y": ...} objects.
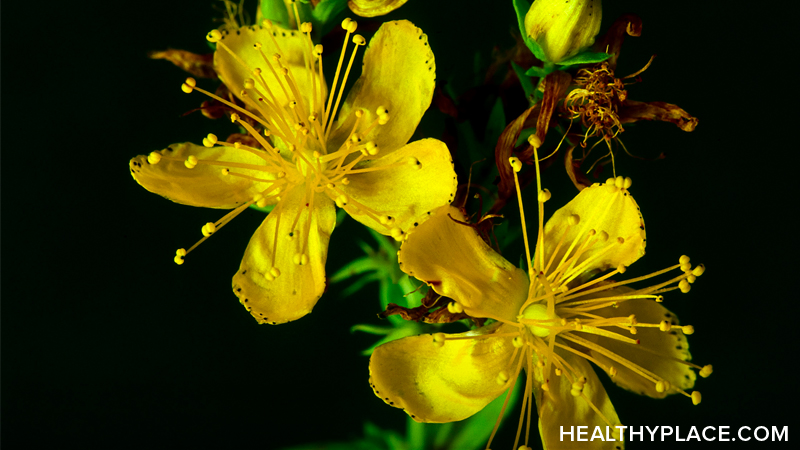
[
  {"x": 611, "y": 42},
  {"x": 633, "y": 111},
  {"x": 374, "y": 8},
  {"x": 574, "y": 170},
  {"x": 503, "y": 151},
  {"x": 198, "y": 65}
]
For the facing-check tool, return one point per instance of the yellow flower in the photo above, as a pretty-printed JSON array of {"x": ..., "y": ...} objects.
[
  {"x": 550, "y": 321},
  {"x": 563, "y": 28},
  {"x": 304, "y": 161}
]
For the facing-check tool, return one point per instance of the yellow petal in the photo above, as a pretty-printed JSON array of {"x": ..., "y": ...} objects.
[
  {"x": 457, "y": 263},
  {"x": 204, "y": 185},
  {"x": 417, "y": 179},
  {"x": 601, "y": 208},
  {"x": 441, "y": 383},
  {"x": 559, "y": 408},
  {"x": 294, "y": 292},
  {"x": 234, "y": 70},
  {"x": 398, "y": 74},
  {"x": 669, "y": 344},
  {"x": 374, "y": 8}
]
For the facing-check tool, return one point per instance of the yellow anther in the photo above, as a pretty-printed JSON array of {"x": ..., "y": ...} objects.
[
  {"x": 316, "y": 154},
  {"x": 662, "y": 386},
  {"x": 412, "y": 161},
  {"x": 524, "y": 447},
  {"x": 620, "y": 240},
  {"x": 696, "y": 397},
  {"x": 706, "y": 371},
  {"x": 534, "y": 141},
  {"x": 257, "y": 71},
  {"x": 611, "y": 182},
  {"x": 574, "y": 219},
  {"x": 632, "y": 320},
  {"x": 686, "y": 268},
  {"x": 387, "y": 220},
  {"x": 544, "y": 195},
  {"x": 292, "y": 148},
  {"x": 576, "y": 391},
  {"x": 622, "y": 268},
  {"x": 257, "y": 45},
  {"x": 517, "y": 341},
  {"x": 371, "y": 148},
  {"x": 619, "y": 182},
  {"x": 502, "y": 377},
  {"x": 266, "y": 23},
  {"x": 633, "y": 330},
  {"x": 438, "y": 339},
  {"x": 383, "y": 119},
  {"x": 359, "y": 40},
  {"x": 627, "y": 183},
  {"x": 213, "y": 36},
  {"x": 275, "y": 272},
  {"x": 154, "y": 157},
  {"x": 188, "y": 85},
  {"x": 396, "y": 233},
  {"x": 281, "y": 174},
  {"x": 684, "y": 259},
  {"x": 306, "y": 27},
  {"x": 346, "y": 22},
  {"x": 612, "y": 371},
  {"x": 351, "y": 27},
  {"x": 276, "y": 57},
  {"x": 602, "y": 237},
  {"x": 262, "y": 202},
  {"x": 243, "y": 93},
  {"x": 558, "y": 372},
  {"x": 209, "y": 229},
  {"x": 300, "y": 259},
  {"x": 381, "y": 111},
  {"x": 318, "y": 50},
  {"x": 660, "y": 299},
  {"x": 293, "y": 105},
  {"x": 237, "y": 145},
  {"x": 268, "y": 276},
  {"x": 341, "y": 201},
  {"x": 516, "y": 164},
  {"x": 345, "y": 181},
  {"x": 591, "y": 232},
  {"x": 210, "y": 140},
  {"x": 249, "y": 83},
  {"x": 664, "y": 325},
  {"x": 684, "y": 286},
  {"x": 691, "y": 278},
  {"x": 234, "y": 117},
  {"x": 179, "y": 255},
  {"x": 455, "y": 308},
  {"x": 546, "y": 387},
  {"x": 355, "y": 138},
  {"x": 699, "y": 270},
  {"x": 190, "y": 162},
  {"x": 687, "y": 329}
]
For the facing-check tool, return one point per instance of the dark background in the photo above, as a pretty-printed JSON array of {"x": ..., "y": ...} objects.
[{"x": 106, "y": 343}]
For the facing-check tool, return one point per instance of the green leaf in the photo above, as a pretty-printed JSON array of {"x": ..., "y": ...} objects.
[
  {"x": 326, "y": 13},
  {"x": 527, "y": 85},
  {"x": 275, "y": 10},
  {"x": 521, "y": 7},
  {"x": 584, "y": 58},
  {"x": 539, "y": 72},
  {"x": 266, "y": 210},
  {"x": 361, "y": 282}
]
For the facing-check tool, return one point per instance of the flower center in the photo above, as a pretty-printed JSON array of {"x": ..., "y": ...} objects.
[{"x": 537, "y": 316}]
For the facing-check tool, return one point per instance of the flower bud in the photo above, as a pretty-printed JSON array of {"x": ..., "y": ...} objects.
[{"x": 562, "y": 28}]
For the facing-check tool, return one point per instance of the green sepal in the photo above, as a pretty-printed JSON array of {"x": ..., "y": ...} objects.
[
  {"x": 540, "y": 72},
  {"x": 521, "y": 7},
  {"x": 584, "y": 58}
]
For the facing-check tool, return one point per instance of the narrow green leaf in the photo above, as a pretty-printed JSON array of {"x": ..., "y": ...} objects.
[
  {"x": 275, "y": 10},
  {"x": 527, "y": 84},
  {"x": 356, "y": 267},
  {"x": 539, "y": 72},
  {"x": 585, "y": 58},
  {"x": 360, "y": 283}
]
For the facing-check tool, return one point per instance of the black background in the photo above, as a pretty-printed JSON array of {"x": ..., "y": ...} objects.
[{"x": 106, "y": 343}]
